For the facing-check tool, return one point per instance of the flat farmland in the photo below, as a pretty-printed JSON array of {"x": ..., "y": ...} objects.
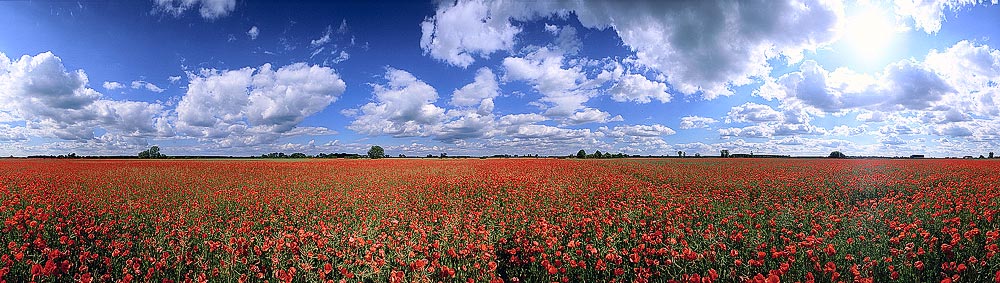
[{"x": 500, "y": 220}]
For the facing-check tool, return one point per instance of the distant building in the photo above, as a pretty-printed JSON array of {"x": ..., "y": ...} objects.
[{"x": 917, "y": 156}]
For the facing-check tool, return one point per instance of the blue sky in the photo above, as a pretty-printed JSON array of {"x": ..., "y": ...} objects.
[{"x": 227, "y": 77}]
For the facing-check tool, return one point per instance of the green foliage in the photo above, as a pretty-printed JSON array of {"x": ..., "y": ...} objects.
[
  {"x": 597, "y": 154},
  {"x": 376, "y": 152},
  {"x": 338, "y": 155},
  {"x": 837, "y": 154},
  {"x": 274, "y": 155},
  {"x": 152, "y": 152}
]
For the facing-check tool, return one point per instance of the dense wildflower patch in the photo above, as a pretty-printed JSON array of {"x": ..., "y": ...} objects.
[{"x": 500, "y": 220}]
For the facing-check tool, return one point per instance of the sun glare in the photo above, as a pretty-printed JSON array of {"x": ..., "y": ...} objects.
[{"x": 869, "y": 33}]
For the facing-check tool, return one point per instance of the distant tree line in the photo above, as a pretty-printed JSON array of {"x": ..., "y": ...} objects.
[
  {"x": 152, "y": 153},
  {"x": 376, "y": 152},
  {"x": 303, "y": 155},
  {"x": 71, "y": 155},
  {"x": 598, "y": 154},
  {"x": 514, "y": 156}
]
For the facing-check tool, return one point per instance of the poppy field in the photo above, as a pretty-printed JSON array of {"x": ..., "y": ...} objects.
[{"x": 500, "y": 220}]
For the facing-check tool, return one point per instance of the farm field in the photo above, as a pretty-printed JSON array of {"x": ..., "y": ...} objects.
[{"x": 493, "y": 220}]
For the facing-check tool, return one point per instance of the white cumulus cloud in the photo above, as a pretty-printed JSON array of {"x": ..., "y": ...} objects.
[
  {"x": 404, "y": 106},
  {"x": 635, "y": 87},
  {"x": 928, "y": 15},
  {"x": 55, "y": 102},
  {"x": 695, "y": 122},
  {"x": 701, "y": 46},
  {"x": 112, "y": 85},
  {"x": 252, "y": 106}
]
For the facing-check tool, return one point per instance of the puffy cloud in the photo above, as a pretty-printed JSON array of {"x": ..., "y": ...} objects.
[
  {"x": 134, "y": 85},
  {"x": 549, "y": 133},
  {"x": 281, "y": 99},
  {"x": 785, "y": 129},
  {"x": 132, "y": 118},
  {"x": 112, "y": 85},
  {"x": 701, "y": 46},
  {"x": 253, "y": 32},
  {"x": 545, "y": 139},
  {"x": 950, "y": 93},
  {"x": 770, "y": 130},
  {"x": 953, "y": 115},
  {"x": 467, "y": 126},
  {"x": 900, "y": 127},
  {"x": 914, "y": 86},
  {"x": 251, "y": 106},
  {"x": 214, "y": 98},
  {"x": 892, "y": 140},
  {"x": 871, "y": 116},
  {"x": 4, "y": 63},
  {"x": 463, "y": 29},
  {"x": 480, "y": 91},
  {"x": 754, "y": 113},
  {"x": 146, "y": 85},
  {"x": 974, "y": 71},
  {"x": 844, "y": 130},
  {"x": 928, "y": 15},
  {"x": 404, "y": 106},
  {"x": 9, "y": 133},
  {"x": 906, "y": 84},
  {"x": 695, "y": 122},
  {"x": 521, "y": 119},
  {"x": 563, "y": 90},
  {"x": 635, "y": 87},
  {"x": 954, "y": 130},
  {"x": 55, "y": 102},
  {"x": 591, "y": 115},
  {"x": 654, "y": 130},
  {"x": 970, "y": 63},
  {"x": 208, "y": 9},
  {"x": 755, "y": 131}
]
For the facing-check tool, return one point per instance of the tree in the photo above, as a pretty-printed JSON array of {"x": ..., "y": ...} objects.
[
  {"x": 598, "y": 154},
  {"x": 152, "y": 152},
  {"x": 376, "y": 152},
  {"x": 991, "y": 154},
  {"x": 680, "y": 153},
  {"x": 581, "y": 154},
  {"x": 725, "y": 153},
  {"x": 298, "y": 155},
  {"x": 837, "y": 154}
]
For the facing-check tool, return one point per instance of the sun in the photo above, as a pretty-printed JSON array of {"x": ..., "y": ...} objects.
[{"x": 869, "y": 32}]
